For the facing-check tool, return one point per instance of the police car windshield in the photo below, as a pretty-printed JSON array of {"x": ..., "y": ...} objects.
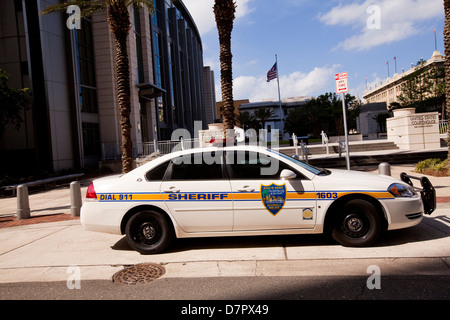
[{"x": 308, "y": 167}]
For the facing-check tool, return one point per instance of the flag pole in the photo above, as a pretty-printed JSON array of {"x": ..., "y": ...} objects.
[
  {"x": 279, "y": 97},
  {"x": 435, "y": 43}
]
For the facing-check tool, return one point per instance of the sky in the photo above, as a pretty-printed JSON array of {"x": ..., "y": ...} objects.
[{"x": 314, "y": 40}]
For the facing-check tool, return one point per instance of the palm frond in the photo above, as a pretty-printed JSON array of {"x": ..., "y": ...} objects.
[
  {"x": 143, "y": 3},
  {"x": 87, "y": 7}
]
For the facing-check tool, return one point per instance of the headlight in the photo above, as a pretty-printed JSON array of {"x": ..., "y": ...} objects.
[{"x": 401, "y": 190}]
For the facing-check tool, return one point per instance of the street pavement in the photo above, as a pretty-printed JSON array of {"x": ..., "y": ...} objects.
[{"x": 43, "y": 249}]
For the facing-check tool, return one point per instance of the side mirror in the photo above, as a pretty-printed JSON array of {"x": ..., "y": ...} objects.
[{"x": 287, "y": 174}]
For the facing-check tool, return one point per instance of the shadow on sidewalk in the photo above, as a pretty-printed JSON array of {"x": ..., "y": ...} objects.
[{"x": 431, "y": 228}]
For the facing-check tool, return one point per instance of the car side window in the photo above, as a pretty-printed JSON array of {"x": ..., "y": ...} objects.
[
  {"x": 157, "y": 174},
  {"x": 194, "y": 167},
  {"x": 253, "y": 165}
]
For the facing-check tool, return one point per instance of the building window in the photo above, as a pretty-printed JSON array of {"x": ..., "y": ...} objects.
[
  {"x": 86, "y": 67},
  {"x": 171, "y": 80},
  {"x": 160, "y": 106},
  {"x": 157, "y": 58},
  {"x": 91, "y": 139},
  {"x": 156, "y": 15},
  {"x": 138, "y": 44},
  {"x": 88, "y": 99},
  {"x": 167, "y": 7}
]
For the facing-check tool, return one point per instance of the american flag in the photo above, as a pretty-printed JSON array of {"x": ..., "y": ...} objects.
[{"x": 272, "y": 74}]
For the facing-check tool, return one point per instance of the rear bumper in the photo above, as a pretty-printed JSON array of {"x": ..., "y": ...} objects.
[{"x": 94, "y": 218}]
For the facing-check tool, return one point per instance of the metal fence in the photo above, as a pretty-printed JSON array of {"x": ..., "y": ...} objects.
[
  {"x": 113, "y": 151},
  {"x": 443, "y": 126}
]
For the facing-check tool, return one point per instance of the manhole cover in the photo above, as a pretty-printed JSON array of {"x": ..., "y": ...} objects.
[{"x": 139, "y": 273}]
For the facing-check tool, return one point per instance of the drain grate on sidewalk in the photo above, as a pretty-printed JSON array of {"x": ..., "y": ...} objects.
[{"x": 139, "y": 273}]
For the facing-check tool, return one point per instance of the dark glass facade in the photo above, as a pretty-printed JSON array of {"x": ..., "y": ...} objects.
[
  {"x": 178, "y": 65},
  {"x": 74, "y": 118}
]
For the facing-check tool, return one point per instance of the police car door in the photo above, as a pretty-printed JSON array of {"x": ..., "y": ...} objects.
[
  {"x": 263, "y": 200},
  {"x": 196, "y": 193}
]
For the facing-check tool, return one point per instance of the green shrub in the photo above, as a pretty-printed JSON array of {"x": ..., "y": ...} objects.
[
  {"x": 426, "y": 164},
  {"x": 430, "y": 166}
]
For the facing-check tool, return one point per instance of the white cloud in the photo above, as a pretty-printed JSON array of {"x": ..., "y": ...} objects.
[
  {"x": 397, "y": 20},
  {"x": 294, "y": 84},
  {"x": 371, "y": 38},
  {"x": 203, "y": 15},
  {"x": 212, "y": 62}
]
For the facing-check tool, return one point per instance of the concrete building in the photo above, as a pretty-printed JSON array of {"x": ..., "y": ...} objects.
[
  {"x": 389, "y": 90},
  {"x": 210, "y": 96},
  {"x": 236, "y": 105},
  {"x": 287, "y": 104},
  {"x": 74, "y": 118},
  {"x": 366, "y": 122}
]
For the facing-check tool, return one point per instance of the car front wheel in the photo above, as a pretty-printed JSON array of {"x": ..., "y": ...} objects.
[
  {"x": 148, "y": 232},
  {"x": 357, "y": 224}
]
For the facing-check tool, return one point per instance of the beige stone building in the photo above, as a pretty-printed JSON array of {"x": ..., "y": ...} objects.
[
  {"x": 389, "y": 90},
  {"x": 236, "y": 105}
]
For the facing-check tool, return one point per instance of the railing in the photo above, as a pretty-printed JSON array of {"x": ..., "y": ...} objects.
[
  {"x": 113, "y": 151},
  {"x": 443, "y": 126}
]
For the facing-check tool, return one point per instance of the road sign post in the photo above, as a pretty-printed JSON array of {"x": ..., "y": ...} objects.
[{"x": 341, "y": 80}]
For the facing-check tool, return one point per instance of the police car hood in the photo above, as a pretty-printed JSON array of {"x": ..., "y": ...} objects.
[{"x": 353, "y": 180}]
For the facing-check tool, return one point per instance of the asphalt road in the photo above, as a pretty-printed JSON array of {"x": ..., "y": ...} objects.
[{"x": 395, "y": 287}]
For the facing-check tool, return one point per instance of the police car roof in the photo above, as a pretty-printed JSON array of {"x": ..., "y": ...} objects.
[{"x": 180, "y": 153}]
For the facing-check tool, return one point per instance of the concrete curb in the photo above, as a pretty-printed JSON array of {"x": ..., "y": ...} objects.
[{"x": 260, "y": 268}]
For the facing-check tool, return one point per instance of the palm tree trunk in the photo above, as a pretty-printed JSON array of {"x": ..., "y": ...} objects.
[
  {"x": 447, "y": 67},
  {"x": 224, "y": 13},
  {"x": 119, "y": 22}
]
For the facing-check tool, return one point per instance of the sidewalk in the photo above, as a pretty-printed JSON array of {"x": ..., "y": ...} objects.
[
  {"x": 31, "y": 250},
  {"x": 48, "y": 252},
  {"x": 50, "y": 205}
]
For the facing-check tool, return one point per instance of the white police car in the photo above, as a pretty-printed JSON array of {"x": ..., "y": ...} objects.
[{"x": 248, "y": 190}]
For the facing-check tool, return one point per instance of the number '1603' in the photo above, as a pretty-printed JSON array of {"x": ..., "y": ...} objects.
[{"x": 326, "y": 195}]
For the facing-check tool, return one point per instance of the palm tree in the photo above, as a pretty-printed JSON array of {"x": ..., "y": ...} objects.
[
  {"x": 447, "y": 66},
  {"x": 224, "y": 14},
  {"x": 264, "y": 115},
  {"x": 119, "y": 23},
  {"x": 243, "y": 118}
]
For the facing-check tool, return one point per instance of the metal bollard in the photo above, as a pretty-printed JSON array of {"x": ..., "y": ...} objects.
[
  {"x": 75, "y": 199},
  {"x": 23, "y": 204},
  {"x": 384, "y": 169}
]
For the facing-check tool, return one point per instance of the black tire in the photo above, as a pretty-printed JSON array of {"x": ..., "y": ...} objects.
[
  {"x": 357, "y": 224},
  {"x": 148, "y": 232}
]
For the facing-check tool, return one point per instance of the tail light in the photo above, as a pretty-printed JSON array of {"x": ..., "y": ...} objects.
[{"x": 90, "y": 194}]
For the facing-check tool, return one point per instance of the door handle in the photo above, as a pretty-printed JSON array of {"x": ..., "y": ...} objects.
[
  {"x": 246, "y": 189},
  {"x": 172, "y": 190}
]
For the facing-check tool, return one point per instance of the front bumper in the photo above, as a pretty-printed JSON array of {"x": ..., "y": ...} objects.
[{"x": 427, "y": 193}]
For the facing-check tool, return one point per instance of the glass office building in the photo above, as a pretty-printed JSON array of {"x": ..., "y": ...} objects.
[{"x": 74, "y": 117}]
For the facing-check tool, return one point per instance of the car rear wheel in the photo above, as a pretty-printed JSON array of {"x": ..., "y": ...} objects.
[
  {"x": 148, "y": 232},
  {"x": 357, "y": 224}
]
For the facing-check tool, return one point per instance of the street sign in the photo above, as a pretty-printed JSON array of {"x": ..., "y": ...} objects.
[
  {"x": 341, "y": 82},
  {"x": 342, "y": 87}
]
